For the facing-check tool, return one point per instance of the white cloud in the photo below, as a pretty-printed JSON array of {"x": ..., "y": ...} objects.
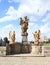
[
  {"x": 46, "y": 19},
  {"x": 38, "y": 7},
  {"x": 4, "y": 31},
  {"x": 11, "y": 11},
  {"x": 35, "y": 8},
  {"x": 6, "y": 18},
  {"x": 45, "y": 28},
  {"x": 31, "y": 29},
  {"x": 34, "y": 26},
  {"x": 8, "y": 26},
  {"x": 23, "y": 10},
  {"x": 11, "y": 14},
  {"x": 32, "y": 18}
]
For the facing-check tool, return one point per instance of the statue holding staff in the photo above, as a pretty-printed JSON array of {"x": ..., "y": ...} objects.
[{"x": 24, "y": 25}]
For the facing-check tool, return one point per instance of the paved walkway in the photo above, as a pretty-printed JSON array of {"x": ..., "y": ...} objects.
[{"x": 24, "y": 60}]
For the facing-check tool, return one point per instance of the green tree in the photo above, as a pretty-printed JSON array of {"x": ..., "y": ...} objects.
[
  {"x": 6, "y": 40},
  {"x": 49, "y": 41}
]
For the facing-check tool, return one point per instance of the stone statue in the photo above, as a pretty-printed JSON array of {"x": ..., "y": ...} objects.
[
  {"x": 39, "y": 33},
  {"x": 12, "y": 37},
  {"x": 24, "y": 25},
  {"x": 37, "y": 37}
]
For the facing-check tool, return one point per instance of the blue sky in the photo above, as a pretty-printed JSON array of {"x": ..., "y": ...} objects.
[{"x": 38, "y": 12}]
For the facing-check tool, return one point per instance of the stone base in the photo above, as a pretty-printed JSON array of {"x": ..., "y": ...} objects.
[
  {"x": 2, "y": 51},
  {"x": 13, "y": 49},
  {"x": 24, "y": 39},
  {"x": 26, "y": 55},
  {"x": 24, "y": 34},
  {"x": 24, "y": 49},
  {"x": 18, "y": 48},
  {"x": 37, "y": 50}
]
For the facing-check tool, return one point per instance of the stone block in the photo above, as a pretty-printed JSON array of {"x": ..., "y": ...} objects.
[
  {"x": 24, "y": 38},
  {"x": 25, "y": 42},
  {"x": 2, "y": 51},
  {"x": 37, "y": 50},
  {"x": 13, "y": 49},
  {"x": 24, "y": 49}
]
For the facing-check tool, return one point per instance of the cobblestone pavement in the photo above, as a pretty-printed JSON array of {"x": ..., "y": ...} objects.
[{"x": 24, "y": 60}]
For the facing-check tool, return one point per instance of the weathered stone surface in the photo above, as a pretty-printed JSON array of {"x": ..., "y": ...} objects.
[
  {"x": 37, "y": 50},
  {"x": 13, "y": 48},
  {"x": 34, "y": 51},
  {"x": 18, "y": 48},
  {"x": 24, "y": 38},
  {"x": 26, "y": 48},
  {"x": 47, "y": 50},
  {"x": 2, "y": 51}
]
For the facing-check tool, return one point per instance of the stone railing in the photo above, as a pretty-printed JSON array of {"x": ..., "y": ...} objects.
[
  {"x": 37, "y": 50},
  {"x": 2, "y": 51},
  {"x": 47, "y": 50}
]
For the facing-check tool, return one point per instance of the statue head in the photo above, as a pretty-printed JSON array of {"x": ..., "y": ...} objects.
[
  {"x": 35, "y": 31},
  {"x": 11, "y": 34},
  {"x": 38, "y": 31},
  {"x": 25, "y": 17},
  {"x": 20, "y": 18}
]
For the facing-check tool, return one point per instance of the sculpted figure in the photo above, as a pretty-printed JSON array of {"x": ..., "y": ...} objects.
[
  {"x": 37, "y": 37},
  {"x": 24, "y": 25},
  {"x": 12, "y": 37},
  {"x": 39, "y": 33}
]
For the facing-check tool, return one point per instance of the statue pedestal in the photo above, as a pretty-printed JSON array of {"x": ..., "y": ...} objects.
[
  {"x": 37, "y": 50},
  {"x": 24, "y": 39}
]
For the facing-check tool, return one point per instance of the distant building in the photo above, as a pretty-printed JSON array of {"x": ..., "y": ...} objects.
[
  {"x": 46, "y": 39},
  {"x": 0, "y": 42}
]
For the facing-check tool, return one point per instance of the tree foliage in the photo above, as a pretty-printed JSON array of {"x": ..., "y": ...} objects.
[{"x": 6, "y": 40}]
